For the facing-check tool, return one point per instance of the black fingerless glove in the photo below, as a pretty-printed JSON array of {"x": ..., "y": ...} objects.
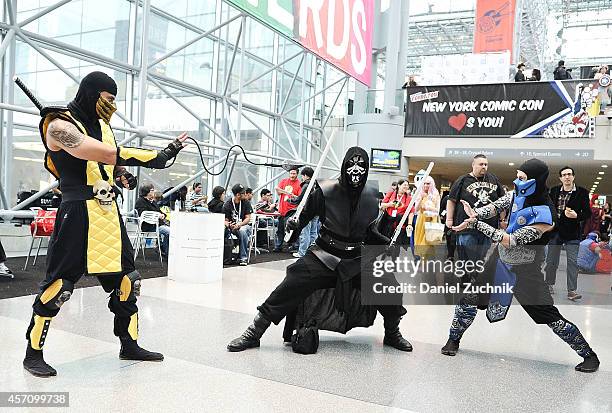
[
  {"x": 120, "y": 173},
  {"x": 128, "y": 156}
]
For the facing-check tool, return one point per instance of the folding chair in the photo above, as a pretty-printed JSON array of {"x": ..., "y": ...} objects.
[
  {"x": 253, "y": 239},
  {"x": 41, "y": 228},
  {"x": 147, "y": 217}
]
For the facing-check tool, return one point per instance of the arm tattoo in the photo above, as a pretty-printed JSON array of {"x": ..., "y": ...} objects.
[{"x": 66, "y": 134}]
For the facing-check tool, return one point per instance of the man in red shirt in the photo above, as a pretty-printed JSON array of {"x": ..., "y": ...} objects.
[{"x": 287, "y": 189}]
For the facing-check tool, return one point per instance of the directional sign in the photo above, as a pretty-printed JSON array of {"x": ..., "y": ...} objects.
[{"x": 520, "y": 153}]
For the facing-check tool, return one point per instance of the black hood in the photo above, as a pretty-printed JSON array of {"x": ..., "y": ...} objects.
[
  {"x": 538, "y": 170},
  {"x": 344, "y": 179},
  {"x": 84, "y": 104}
]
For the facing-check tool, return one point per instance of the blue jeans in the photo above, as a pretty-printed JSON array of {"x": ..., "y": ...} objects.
[
  {"x": 552, "y": 261},
  {"x": 164, "y": 239},
  {"x": 308, "y": 236},
  {"x": 472, "y": 247},
  {"x": 244, "y": 235}
]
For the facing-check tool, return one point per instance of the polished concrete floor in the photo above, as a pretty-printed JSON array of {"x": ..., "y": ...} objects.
[{"x": 509, "y": 366}]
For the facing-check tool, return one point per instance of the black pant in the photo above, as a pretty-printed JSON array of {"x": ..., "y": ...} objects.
[
  {"x": 2, "y": 253},
  {"x": 304, "y": 277},
  {"x": 530, "y": 290},
  {"x": 123, "y": 310}
]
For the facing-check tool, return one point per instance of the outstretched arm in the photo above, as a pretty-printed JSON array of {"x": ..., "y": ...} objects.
[
  {"x": 521, "y": 236},
  {"x": 128, "y": 156},
  {"x": 64, "y": 135}
]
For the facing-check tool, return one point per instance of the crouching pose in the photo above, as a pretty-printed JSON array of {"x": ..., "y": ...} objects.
[
  {"x": 89, "y": 236},
  {"x": 348, "y": 209},
  {"x": 517, "y": 262}
]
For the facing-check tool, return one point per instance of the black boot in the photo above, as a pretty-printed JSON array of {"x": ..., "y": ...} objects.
[
  {"x": 569, "y": 333},
  {"x": 130, "y": 350},
  {"x": 589, "y": 365},
  {"x": 35, "y": 363},
  {"x": 250, "y": 337},
  {"x": 393, "y": 336},
  {"x": 451, "y": 347}
]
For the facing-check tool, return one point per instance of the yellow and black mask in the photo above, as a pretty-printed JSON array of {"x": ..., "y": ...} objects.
[
  {"x": 87, "y": 100},
  {"x": 105, "y": 109}
]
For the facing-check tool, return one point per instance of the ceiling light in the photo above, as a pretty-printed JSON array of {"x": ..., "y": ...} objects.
[
  {"x": 599, "y": 177},
  {"x": 510, "y": 163},
  {"x": 604, "y": 166},
  {"x": 601, "y": 172}
]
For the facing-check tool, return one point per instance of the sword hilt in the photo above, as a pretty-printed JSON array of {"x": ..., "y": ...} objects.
[{"x": 27, "y": 92}]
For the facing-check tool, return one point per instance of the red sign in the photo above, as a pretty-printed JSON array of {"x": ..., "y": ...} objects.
[
  {"x": 340, "y": 31},
  {"x": 494, "y": 26}
]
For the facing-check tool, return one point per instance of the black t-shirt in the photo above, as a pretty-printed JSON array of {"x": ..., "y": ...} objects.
[
  {"x": 234, "y": 211},
  {"x": 477, "y": 193}
]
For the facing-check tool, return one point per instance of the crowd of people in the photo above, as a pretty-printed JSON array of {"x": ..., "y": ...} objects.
[{"x": 237, "y": 210}]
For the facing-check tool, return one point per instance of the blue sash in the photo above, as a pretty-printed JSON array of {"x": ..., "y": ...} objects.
[{"x": 499, "y": 303}]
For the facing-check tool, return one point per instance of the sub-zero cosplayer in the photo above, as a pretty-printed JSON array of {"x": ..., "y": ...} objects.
[
  {"x": 348, "y": 209},
  {"x": 89, "y": 237},
  {"x": 517, "y": 261}
]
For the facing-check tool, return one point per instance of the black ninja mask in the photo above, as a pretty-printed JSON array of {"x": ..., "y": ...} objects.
[
  {"x": 537, "y": 170},
  {"x": 355, "y": 166},
  {"x": 87, "y": 98}
]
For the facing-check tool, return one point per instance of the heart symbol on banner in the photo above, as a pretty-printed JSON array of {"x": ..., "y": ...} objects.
[{"x": 457, "y": 122}]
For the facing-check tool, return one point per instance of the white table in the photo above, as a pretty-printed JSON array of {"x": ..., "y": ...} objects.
[{"x": 196, "y": 247}]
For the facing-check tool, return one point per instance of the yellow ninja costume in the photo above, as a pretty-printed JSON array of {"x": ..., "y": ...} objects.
[{"x": 89, "y": 236}]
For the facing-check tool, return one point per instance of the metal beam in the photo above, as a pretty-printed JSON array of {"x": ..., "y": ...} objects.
[
  {"x": 8, "y": 38},
  {"x": 191, "y": 112},
  {"x": 334, "y": 104},
  {"x": 335, "y": 162},
  {"x": 192, "y": 41},
  {"x": 10, "y": 11},
  {"x": 259, "y": 76},
  {"x": 43, "y": 12},
  {"x": 295, "y": 153},
  {"x": 192, "y": 178},
  {"x": 269, "y": 181},
  {"x": 81, "y": 53},
  {"x": 207, "y": 93},
  {"x": 287, "y": 151},
  {"x": 49, "y": 58},
  {"x": 231, "y": 66},
  {"x": 284, "y": 105},
  {"x": 25, "y": 38},
  {"x": 316, "y": 94}
]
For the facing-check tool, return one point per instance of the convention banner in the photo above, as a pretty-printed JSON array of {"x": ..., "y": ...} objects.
[
  {"x": 338, "y": 31},
  {"x": 494, "y": 26},
  {"x": 556, "y": 109}
]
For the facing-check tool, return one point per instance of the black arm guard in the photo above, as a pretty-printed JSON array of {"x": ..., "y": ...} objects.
[{"x": 127, "y": 156}]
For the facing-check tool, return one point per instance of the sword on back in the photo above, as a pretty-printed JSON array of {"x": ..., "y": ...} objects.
[{"x": 28, "y": 93}]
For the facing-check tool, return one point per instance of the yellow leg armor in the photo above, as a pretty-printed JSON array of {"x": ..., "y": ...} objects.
[
  {"x": 39, "y": 331},
  {"x": 133, "y": 327}
]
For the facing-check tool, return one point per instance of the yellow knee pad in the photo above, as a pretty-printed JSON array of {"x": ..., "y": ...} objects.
[
  {"x": 56, "y": 294},
  {"x": 130, "y": 286}
]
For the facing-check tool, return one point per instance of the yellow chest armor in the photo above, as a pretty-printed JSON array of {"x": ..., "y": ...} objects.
[{"x": 104, "y": 232}]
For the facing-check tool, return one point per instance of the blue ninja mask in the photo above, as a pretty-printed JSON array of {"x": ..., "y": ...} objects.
[{"x": 523, "y": 189}]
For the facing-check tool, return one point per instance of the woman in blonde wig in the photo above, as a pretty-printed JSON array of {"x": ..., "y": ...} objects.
[{"x": 427, "y": 206}]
